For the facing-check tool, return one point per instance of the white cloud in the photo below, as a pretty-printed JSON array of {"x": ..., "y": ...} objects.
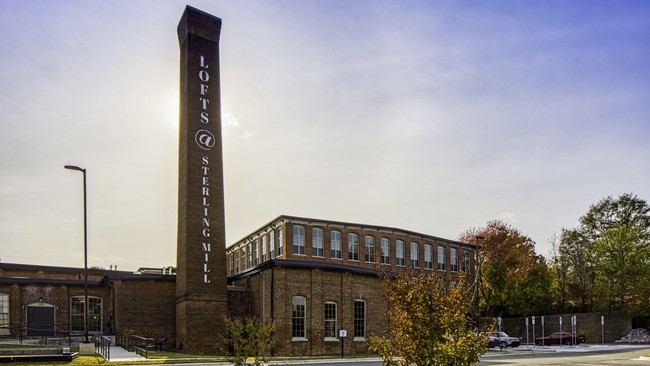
[{"x": 229, "y": 120}]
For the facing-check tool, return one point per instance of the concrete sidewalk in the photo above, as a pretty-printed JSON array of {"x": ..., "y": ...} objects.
[{"x": 119, "y": 354}]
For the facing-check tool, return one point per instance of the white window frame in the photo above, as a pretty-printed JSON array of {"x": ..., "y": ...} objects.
[
  {"x": 415, "y": 255},
  {"x": 384, "y": 244},
  {"x": 453, "y": 260},
  {"x": 298, "y": 240},
  {"x": 298, "y": 301},
  {"x": 335, "y": 245},
  {"x": 357, "y": 336},
  {"x": 328, "y": 320},
  {"x": 442, "y": 258},
  {"x": 428, "y": 256},
  {"x": 5, "y": 314},
  {"x": 317, "y": 237},
  {"x": 400, "y": 255},
  {"x": 271, "y": 245},
  {"x": 91, "y": 322},
  {"x": 353, "y": 247},
  {"x": 369, "y": 249}
]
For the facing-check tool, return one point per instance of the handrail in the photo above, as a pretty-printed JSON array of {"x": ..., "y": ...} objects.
[{"x": 102, "y": 346}]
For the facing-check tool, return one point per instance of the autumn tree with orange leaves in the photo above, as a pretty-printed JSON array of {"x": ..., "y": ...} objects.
[{"x": 515, "y": 281}]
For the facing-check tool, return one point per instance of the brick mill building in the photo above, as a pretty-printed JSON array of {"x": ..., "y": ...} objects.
[{"x": 312, "y": 278}]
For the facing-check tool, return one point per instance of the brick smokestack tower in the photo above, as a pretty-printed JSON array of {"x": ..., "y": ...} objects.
[{"x": 201, "y": 283}]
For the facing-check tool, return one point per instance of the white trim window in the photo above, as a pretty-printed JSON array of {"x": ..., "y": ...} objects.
[
  {"x": 369, "y": 242},
  {"x": 298, "y": 318},
  {"x": 4, "y": 313},
  {"x": 335, "y": 245},
  {"x": 442, "y": 262},
  {"x": 359, "y": 320},
  {"x": 353, "y": 247},
  {"x": 280, "y": 243},
  {"x": 329, "y": 321},
  {"x": 465, "y": 266},
  {"x": 271, "y": 245},
  {"x": 385, "y": 250},
  {"x": 428, "y": 256},
  {"x": 263, "y": 248},
  {"x": 453, "y": 259},
  {"x": 256, "y": 252},
  {"x": 94, "y": 314},
  {"x": 399, "y": 252},
  {"x": 298, "y": 240},
  {"x": 415, "y": 255},
  {"x": 317, "y": 242},
  {"x": 250, "y": 256}
]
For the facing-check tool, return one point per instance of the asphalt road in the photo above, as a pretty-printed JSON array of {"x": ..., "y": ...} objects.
[{"x": 630, "y": 356}]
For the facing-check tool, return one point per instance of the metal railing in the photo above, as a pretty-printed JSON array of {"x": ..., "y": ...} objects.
[{"x": 102, "y": 346}]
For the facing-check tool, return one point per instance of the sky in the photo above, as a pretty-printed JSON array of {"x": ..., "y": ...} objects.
[{"x": 429, "y": 116}]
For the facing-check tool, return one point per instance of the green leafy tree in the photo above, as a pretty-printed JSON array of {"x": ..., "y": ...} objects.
[
  {"x": 249, "y": 340},
  {"x": 578, "y": 257},
  {"x": 607, "y": 256},
  {"x": 623, "y": 259},
  {"x": 428, "y": 323}
]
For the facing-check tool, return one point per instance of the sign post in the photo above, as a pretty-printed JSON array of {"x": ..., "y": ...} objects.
[
  {"x": 560, "y": 331},
  {"x": 342, "y": 334},
  {"x": 542, "y": 330},
  {"x": 534, "y": 343},
  {"x": 602, "y": 330}
]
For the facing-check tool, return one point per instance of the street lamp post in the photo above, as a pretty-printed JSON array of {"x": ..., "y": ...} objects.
[
  {"x": 478, "y": 282},
  {"x": 73, "y": 167}
]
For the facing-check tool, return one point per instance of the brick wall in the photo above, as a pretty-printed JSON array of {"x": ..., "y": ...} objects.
[
  {"x": 317, "y": 286},
  {"x": 145, "y": 308}
]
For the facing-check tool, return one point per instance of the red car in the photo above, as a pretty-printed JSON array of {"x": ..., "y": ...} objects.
[{"x": 560, "y": 338}]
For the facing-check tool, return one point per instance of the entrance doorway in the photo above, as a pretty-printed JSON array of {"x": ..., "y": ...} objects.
[{"x": 40, "y": 320}]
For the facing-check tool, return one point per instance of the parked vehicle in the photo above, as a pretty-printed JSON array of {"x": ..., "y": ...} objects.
[
  {"x": 560, "y": 338},
  {"x": 501, "y": 339}
]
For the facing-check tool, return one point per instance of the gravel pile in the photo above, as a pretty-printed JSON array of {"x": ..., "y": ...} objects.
[{"x": 639, "y": 335}]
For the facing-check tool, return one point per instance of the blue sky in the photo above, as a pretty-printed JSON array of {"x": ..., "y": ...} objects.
[{"x": 428, "y": 116}]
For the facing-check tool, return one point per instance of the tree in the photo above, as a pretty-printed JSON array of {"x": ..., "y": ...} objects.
[
  {"x": 505, "y": 258},
  {"x": 560, "y": 268},
  {"x": 610, "y": 213},
  {"x": 429, "y": 325},
  {"x": 577, "y": 252},
  {"x": 248, "y": 338},
  {"x": 622, "y": 261},
  {"x": 607, "y": 255}
]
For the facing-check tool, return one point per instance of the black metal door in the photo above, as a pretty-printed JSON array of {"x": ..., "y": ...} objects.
[{"x": 40, "y": 320}]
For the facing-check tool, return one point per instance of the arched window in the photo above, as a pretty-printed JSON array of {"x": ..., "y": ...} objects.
[
  {"x": 298, "y": 240},
  {"x": 428, "y": 256},
  {"x": 369, "y": 248},
  {"x": 329, "y": 321},
  {"x": 335, "y": 244},
  {"x": 385, "y": 250},
  {"x": 317, "y": 243},
  {"x": 415, "y": 259},
  {"x": 353, "y": 247},
  {"x": 442, "y": 263},
  {"x": 453, "y": 260},
  {"x": 298, "y": 318},
  {"x": 399, "y": 252},
  {"x": 94, "y": 314},
  {"x": 359, "y": 320}
]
